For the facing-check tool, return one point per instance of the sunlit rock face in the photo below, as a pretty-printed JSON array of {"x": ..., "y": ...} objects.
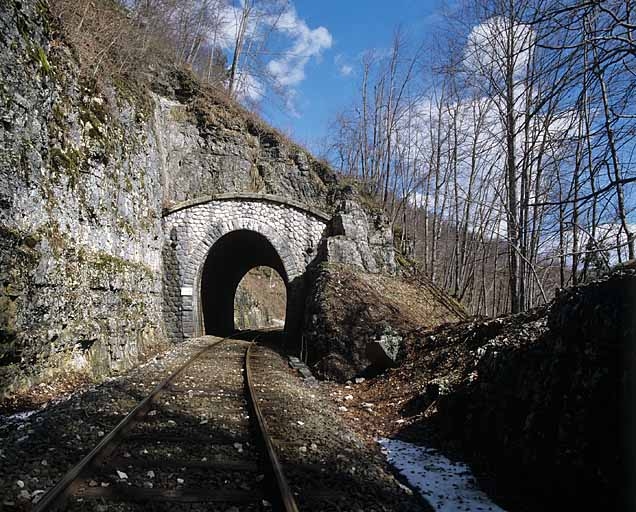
[
  {"x": 80, "y": 234},
  {"x": 260, "y": 300},
  {"x": 361, "y": 239}
]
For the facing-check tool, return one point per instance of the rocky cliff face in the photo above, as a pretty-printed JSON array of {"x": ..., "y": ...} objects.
[
  {"x": 86, "y": 167},
  {"x": 79, "y": 229},
  {"x": 260, "y": 300},
  {"x": 359, "y": 238},
  {"x": 208, "y": 145}
]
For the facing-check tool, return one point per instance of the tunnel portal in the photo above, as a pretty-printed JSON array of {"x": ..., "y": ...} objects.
[
  {"x": 229, "y": 259},
  {"x": 211, "y": 243}
]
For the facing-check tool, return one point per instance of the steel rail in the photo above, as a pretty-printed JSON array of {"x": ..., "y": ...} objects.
[
  {"x": 57, "y": 495},
  {"x": 286, "y": 497}
]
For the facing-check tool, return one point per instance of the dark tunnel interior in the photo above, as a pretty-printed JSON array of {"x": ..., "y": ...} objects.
[{"x": 229, "y": 259}]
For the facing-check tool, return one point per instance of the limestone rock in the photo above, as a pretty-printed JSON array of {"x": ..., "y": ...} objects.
[
  {"x": 362, "y": 240},
  {"x": 85, "y": 172},
  {"x": 91, "y": 271},
  {"x": 383, "y": 351},
  {"x": 342, "y": 250},
  {"x": 350, "y": 221}
]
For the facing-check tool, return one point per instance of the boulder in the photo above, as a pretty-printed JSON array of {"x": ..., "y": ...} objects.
[{"x": 383, "y": 351}]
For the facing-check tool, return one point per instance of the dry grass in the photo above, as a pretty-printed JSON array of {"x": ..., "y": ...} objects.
[
  {"x": 374, "y": 300},
  {"x": 419, "y": 304},
  {"x": 107, "y": 43},
  {"x": 35, "y": 396}
]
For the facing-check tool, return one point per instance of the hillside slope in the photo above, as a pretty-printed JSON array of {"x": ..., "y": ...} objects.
[
  {"x": 260, "y": 300},
  {"x": 541, "y": 402},
  {"x": 348, "y": 308}
]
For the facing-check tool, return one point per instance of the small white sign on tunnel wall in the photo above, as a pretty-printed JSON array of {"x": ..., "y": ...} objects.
[{"x": 186, "y": 291}]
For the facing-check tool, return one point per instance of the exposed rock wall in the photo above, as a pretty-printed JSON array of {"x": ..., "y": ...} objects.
[
  {"x": 249, "y": 313},
  {"x": 209, "y": 145},
  {"x": 260, "y": 300},
  {"x": 88, "y": 165},
  {"x": 85, "y": 170},
  {"x": 361, "y": 239},
  {"x": 79, "y": 225}
]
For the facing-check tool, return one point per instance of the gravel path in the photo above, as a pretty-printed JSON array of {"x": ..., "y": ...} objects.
[{"x": 329, "y": 467}]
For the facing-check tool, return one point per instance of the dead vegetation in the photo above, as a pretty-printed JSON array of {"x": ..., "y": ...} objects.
[
  {"x": 117, "y": 47},
  {"x": 349, "y": 308}
]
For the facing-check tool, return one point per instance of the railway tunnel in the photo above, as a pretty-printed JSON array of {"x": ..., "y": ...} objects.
[
  {"x": 212, "y": 242},
  {"x": 227, "y": 262}
]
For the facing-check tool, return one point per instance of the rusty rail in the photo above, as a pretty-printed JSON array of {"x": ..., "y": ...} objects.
[
  {"x": 56, "y": 497},
  {"x": 286, "y": 497}
]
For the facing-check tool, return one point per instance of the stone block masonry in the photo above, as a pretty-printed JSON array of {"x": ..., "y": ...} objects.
[{"x": 295, "y": 234}]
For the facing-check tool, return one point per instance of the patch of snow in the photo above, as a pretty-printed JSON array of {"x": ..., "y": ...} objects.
[
  {"x": 448, "y": 486},
  {"x": 19, "y": 416},
  {"x": 18, "y": 419}
]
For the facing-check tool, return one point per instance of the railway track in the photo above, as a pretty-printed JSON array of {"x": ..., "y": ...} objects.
[{"x": 194, "y": 443}]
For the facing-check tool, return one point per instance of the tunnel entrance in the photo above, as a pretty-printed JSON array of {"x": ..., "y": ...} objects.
[{"x": 229, "y": 259}]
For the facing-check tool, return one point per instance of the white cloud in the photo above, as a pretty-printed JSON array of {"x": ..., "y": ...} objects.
[
  {"x": 290, "y": 103},
  {"x": 344, "y": 68},
  {"x": 299, "y": 43},
  {"x": 609, "y": 239},
  {"x": 230, "y": 18},
  {"x": 289, "y": 70},
  {"x": 487, "y": 47}
]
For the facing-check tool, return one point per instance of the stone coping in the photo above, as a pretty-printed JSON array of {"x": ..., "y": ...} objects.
[{"x": 246, "y": 196}]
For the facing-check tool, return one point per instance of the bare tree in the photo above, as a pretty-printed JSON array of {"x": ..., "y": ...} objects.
[{"x": 506, "y": 166}]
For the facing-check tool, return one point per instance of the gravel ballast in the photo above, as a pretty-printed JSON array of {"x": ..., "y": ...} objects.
[{"x": 329, "y": 466}]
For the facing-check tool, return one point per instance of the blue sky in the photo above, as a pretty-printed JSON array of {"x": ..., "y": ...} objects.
[{"x": 355, "y": 26}]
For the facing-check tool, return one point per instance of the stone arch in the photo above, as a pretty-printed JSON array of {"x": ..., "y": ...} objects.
[
  {"x": 194, "y": 272},
  {"x": 227, "y": 263},
  {"x": 215, "y": 232},
  {"x": 191, "y": 232}
]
